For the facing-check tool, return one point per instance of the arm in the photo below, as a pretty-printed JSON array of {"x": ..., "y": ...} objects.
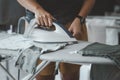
[
  {"x": 87, "y": 6},
  {"x": 42, "y": 16},
  {"x": 75, "y": 27}
]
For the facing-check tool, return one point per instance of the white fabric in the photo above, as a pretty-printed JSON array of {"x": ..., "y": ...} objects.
[
  {"x": 15, "y": 42},
  {"x": 48, "y": 47},
  {"x": 4, "y": 35},
  {"x": 27, "y": 59}
]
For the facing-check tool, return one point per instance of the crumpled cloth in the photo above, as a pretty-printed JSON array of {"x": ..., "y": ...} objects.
[
  {"x": 103, "y": 50},
  {"x": 15, "y": 42},
  {"x": 4, "y": 35},
  {"x": 27, "y": 51},
  {"x": 49, "y": 47},
  {"x": 27, "y": 59}
]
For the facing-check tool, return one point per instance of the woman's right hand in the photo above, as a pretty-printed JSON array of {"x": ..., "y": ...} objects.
[{"x": 44, "y": 18}]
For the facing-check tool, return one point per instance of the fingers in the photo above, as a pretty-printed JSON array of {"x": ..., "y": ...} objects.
[
  {"x": 71, "y": 31},
  {"x": 49, "y": 22},
  {"x": 45, "y": 20},
  {"x": 75, "y": 32}
]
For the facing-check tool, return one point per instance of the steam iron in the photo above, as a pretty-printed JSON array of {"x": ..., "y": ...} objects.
[{"x": 60, "y": 34}]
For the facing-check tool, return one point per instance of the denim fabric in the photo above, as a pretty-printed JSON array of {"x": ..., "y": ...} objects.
[{"x": 103, "y": 50}]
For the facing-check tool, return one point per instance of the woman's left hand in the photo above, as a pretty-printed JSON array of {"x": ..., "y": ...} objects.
[{"x": 75, "y": 27}]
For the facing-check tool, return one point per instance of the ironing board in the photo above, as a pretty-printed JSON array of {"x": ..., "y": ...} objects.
[{"x": 67, "y": 55}]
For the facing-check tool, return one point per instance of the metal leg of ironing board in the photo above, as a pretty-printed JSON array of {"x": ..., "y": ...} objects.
[
  {"x": 42, "y": 65},
  {"x": 7, "y": 67},
  {"x": 7, "y": 72}
]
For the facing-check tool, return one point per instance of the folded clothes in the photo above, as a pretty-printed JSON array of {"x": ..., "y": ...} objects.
[{"x": 103, "y": 50}]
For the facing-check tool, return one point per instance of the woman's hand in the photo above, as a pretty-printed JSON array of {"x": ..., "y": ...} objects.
[
  {"x": 44, "y": 18},
  {"x": 75, "y": 27}
]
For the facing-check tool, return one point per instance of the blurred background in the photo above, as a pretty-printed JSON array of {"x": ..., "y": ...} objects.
[
  {"x": 11, "y": 11},
  {"x": 106, "y": 7}
]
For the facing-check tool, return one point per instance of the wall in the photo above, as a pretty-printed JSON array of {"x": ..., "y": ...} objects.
[{"x": 10, "y": 12}]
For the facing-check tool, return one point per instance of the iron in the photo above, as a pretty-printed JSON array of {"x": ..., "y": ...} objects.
[{"x": 60, "y": 34}]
